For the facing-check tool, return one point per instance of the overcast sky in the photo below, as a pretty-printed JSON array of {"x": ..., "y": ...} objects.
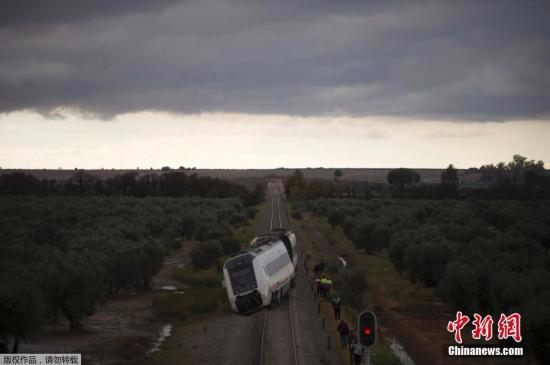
[{"x": 207, "y": 83}]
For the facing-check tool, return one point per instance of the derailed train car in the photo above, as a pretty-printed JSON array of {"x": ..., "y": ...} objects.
[{"x": 261, "y": 275}]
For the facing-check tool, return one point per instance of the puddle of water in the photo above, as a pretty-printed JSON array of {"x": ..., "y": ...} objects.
[
  {"x": 168, "y": 288},
  {"x": 400, "y": 353},
  {"x": 344, "y": 263},
  {"x": 164, "y": 332}
]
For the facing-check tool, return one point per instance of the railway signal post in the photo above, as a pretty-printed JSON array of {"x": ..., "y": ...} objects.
[{"x": 366, "y": 333}]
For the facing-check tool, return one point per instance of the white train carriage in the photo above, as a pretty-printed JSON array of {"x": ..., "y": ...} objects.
[
  {"x": 262, "y": 274},
  {"x": 289, "y": 240}
]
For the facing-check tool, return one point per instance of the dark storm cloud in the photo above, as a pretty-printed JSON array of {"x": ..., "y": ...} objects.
[
  {"x": 51, "y": 12},
  {"x": 460, "y": 60}
]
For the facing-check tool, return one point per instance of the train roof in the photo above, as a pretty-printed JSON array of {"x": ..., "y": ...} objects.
[
  {"x": 274, "y": 234},
  {"x": 263, "y": 242},
  {"x": 264, "y": 239}
]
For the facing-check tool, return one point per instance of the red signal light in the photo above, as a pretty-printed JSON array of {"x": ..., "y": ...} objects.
[{"x": 366, "y": 324}]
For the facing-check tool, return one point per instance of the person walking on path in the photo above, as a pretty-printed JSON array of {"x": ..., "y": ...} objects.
[
  {"x": 318, "y": 268},
  {"x": 336, "y": 305},
  {"x": 322, "y": 265},
  {"x": 343, "y": 330},
  {"x": 351, "y": 339},
  {"x": 357, "y": 352}
]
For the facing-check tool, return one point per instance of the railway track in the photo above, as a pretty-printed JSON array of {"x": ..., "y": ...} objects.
[
  {"x": 275, "y": 201},
  {"x": 272, "y": 350},
  {"x": 268, "y": 360}
]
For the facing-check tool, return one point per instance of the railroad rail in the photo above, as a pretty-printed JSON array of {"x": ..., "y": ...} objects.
[
  {"x": 275, "y": 197},
  {"x": 292, "y": 335}
]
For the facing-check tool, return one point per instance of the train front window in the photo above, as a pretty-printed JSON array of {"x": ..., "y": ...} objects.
[
  {"x": 241, "y": 274},
  {"x": 242, "y": 279}
]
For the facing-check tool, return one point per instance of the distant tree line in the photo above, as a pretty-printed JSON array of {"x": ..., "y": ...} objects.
[
  {"x": 405, "y": 183},
  {"x": 62, "y": 256},
  {"x": 480, "y": 256},
  {"x": 298, "y": 188},
  {"x": 518, "y": 171},
  {"x": 169, "y": 184},
  {"x": 519, "y": 179}
]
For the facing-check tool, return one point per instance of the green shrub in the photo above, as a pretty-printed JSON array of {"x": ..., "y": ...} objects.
[
  {"x": 238, "y": 219},
  {"x": 351, "y": 284},
  {"x": 192, "y": 301},
  {"x": 251, "y": 212},
  {"x": 458, "y": 287},
  {"x": 206, "y": 254},
  {"x": 426, "y": 261},
  {"x": 230, "y": 245},
  {"x": 398, "y": 246},
  {"x": 198, "y": 278},
  {"x": 296, "y": 214},
  {"x": 336, "y": 217}
]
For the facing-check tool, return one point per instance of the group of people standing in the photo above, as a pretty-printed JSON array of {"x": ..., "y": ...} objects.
[
  {"x": 324, "y": 283},
  {"x": 347, "y": 338},
  {"x": 322, "y": 280}
]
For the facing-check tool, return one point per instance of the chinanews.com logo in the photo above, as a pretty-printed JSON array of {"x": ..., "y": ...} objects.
[{"x": 508, "y": 329}]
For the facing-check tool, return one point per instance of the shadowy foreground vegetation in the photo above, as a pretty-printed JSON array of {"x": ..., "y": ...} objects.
[{"x": 62, "y": 256}]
